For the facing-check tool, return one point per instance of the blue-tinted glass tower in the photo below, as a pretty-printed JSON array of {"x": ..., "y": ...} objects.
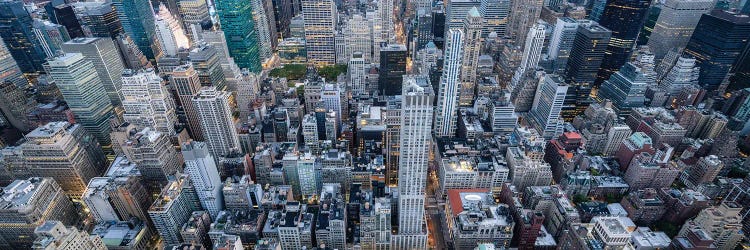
[
  {"x": 625, "y": 19},
  {"x": 137, "y": 19},
  {"x": 16, "y": 31},
  {"x": 236, "y": 17}
]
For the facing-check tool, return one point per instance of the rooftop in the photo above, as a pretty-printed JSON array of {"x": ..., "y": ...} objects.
[{"x": 121, "y": 233}]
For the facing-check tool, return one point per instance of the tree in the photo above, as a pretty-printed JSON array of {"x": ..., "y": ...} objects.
[
  {"x": 330, "y": 73},
  {"x": 289, "y": 71}
]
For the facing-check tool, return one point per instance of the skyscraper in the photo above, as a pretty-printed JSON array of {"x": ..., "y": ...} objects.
[
  {"x": 186, "y": 82},
  {"x": 169, "y": 33},
  {"x": 627, "y": 87},
  {"x": 173, "y": 208},
  {"x": 625, "y": 19},
  {"x": 236, "y": 17},
  {"x": 385, "y": 12},
  {"x": 16, "y": 31},
  {"x": 106, "y": 59},
  {"x": 137, "y": 19},
  {"x": 392, "y": 69},
  {"x": 50, "y": 35},
  {"x": 523, "y": 15},
  {"x": 358, "y": 38},
  {"x": 532, "y": 52},
  {"x": 676, "y": 23},
  {"x": 585, "y": 58},
  {"x": 320, "y": 27},
  {"x": 195, "y": 17},
  {"x": 147, "y": 101},
  {"x": 357, "y": 76},
  {"x": 447, "y": 103},
  {"x": 100, "y": 18},
  {"x": 216, "y": 120},
  {"x": 84, "y": 92},
  {"x": 548, "y": 103},
  {"x": 456, "y": 12},
  {"x": 52, "y": 234},
  {"x": 416, "y": 116},
  {"x": 65, "y": 16},
  {"x": 201, "y": 167},
  {"x": 9, "y": 68},
  {"x": 471, "y": 46},
  {"x": 562, "y": 42},
  {"x": 716, "y": 43},
  {"x": 495, "y": 16},
  {"x": 206, "y": 60},
  {"x": 266, "y": 33}
]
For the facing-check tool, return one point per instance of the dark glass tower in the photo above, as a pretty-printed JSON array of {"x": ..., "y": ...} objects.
[
  {"x": 716, "y": 44},
  {"x": 236, "y": 17},
  {"x": 392, "y": 69},
  {"x": 101, "y": 19},
  {"x": 648, "y": 27},
  {"x": 438, "y": 25},
  {"x": 625, "y": 19},
  {"x": 137, "y": 19},
  {"x": 23, "y": 44},
  {"x": 283, "y": 11},
  {"x": 586, "y": 57},
  {"x": 65, "y": 16}
]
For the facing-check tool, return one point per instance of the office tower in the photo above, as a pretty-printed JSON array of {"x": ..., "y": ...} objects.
[
  {"x": 585, "y": 58},
  {"x": 357, "y": 74},
  {"x": 15, "y": 106},
  {"x": 201, "y": 167},
  {"x": 9, "y": 68},
  {"x": 716, "y": 43},
  {"x": 392, "y": 69},
  {"x": 28, "y": 204},
  {"x": 51, "y": 36},
  {"x": 267, "y": 36},
  {"x": 625, "y": 19},
  {"x": 132, "y": 56},
  {"x": 340, "y": 47},
  {"x": 676, "y": 23},
  {"x": 154, "y": 154},
  {"x": 65, "y": 152},
  {"x": 169, "y": 33},
  {"x": 358, "y": 38},
  {"x": 215, "y": 116},
  {"x": 54, "y": 235},
  {"x": 456, "y": 12},
  {"x": 16, "y": 31},
  {"x": 495, "y": 16},
  {"x": 532, "y": 52},
  {"x": 207, "y": 62},
  {"x": 333, "y": 210},
  {"x": 423, "y": 30},
  {"x": 186, "y": 82},
  {"x": 84, "y": 92},
  {"x": 118, "y": 196},
  {"x": 615, "y": 135},
  {"x": 416, "y": 116},
  {"x": 103, "y": 54},
  {"x": 502, "y": 115},
  {"x": 66, "y": 16},
  {"x": 236, "y": 19},
  {"x": 523, "y": 15},
  {"x": 172, "y": 209},
  {"x": 385, "y": 12},
  {"x": 330, "y": 98},
  {"x": 683, "y": 74},
  {"x": 196, "y": 230},
  {"x": 627, "y": 87},
  {"x": 438, "y": 25},
  {"x": 320, "y": 26},
  {"x": 100, "y": 18},
  {"x": 562, "y": 42},
  {"x": 137, "y": 18},
  {"x": 723, "y": 223},
  {"x": 545, "y": 113},
  {"x": 147, "y": 102},
  {"x": 704, "y": 171},
  {"x": 195, "y": 17},
  {"x": 283, "y": 11},
  {"x": 471, "y": 46},
  {"x": 447, "y": 106}
]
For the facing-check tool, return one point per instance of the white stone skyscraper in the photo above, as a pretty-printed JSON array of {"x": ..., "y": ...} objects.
[
  {"x": 358, "y": 37},
  {"x": 676, "y": 23},
  {"x": 147, "y": 102},
  {"x": 105, "y": 57},
  {"x": 523, "y": 15},
  {"x": 545, "y": 112},
  {"x": 561, "y": 42},
  {"x": 216, "y": 120},
  {"x": 385, "y": 9},
  {"x": 201, "y": 167},
  {"x": 169, "y": 32},
  {"x": 532, "y": 52},
  {"x": 447, "y": 103},
  {"x": 416, "y": 116},
  {"x": 357, "y": 74},
  {"x": 320, "y": 29},
  {"x": 471, "y": 47}
]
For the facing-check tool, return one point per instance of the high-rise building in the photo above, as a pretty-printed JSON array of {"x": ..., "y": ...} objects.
[
  {"x": 416, "y": 116},
  {"x": 16, "y": 31},
  {"x": 236, "y": 18},
  {"x": 423, "y": 30},
  {"x": 50, "y": 35},
  {"x": 201, "y": 167},
  {"x": 153, "y": 153},
  {"x": 456, "y": 12},
  {"x": 9, "y": 68},
  {"x": 106, "y": 59},
  {"x": 132, "y": 56},
  {"x": 186, "y": 82},
  {"x": 357, "y": 74},
  {"x": 84, "y": 92},
  {"x": 676, "y": 23},
  {"x": 265, "y": 27},
  {"x": 29, "y": 203},
  {"x": 169, "y": 33},
  {"x": 195, "y": 17},
  {"x": 206, "y": 60},
  {"x": 137, "y": 19},
  {"x": 523, "y": 15},
  {"x": 216, "y": 120},
  {"x": 561, "y": 42},
  {"x": 358, "y": 38},
  {"x": 625, "y": 19},
  {"x": 54, "y": 234},
  {"x": 15, "y": 106},
  {"x": 532, "y": 52},
  {"x": 64, "y": 15},
  {"x": 99, "y": 18},
  {"x": 471, "y": 46},
  {"x": 172, "y": 209},
  {"x": 583, "y": 64},
  {"x": 147, "y": 102},
  {"x": 716, "y": 43},
  {"x": 118, "y": 196},
  {"x": 320, "y": 26},
  {"x": 332, "y": 233},
  {"x": 722, "y": 223},
  {"x": 545, "y": 114},
  {"x": 495, "y": 16},
  {"x": 392, "y": 69},
  {"x": 447, "y": 103},
  {"x": 385, "y": 14},
  {"x": 627, "y": 87}
]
